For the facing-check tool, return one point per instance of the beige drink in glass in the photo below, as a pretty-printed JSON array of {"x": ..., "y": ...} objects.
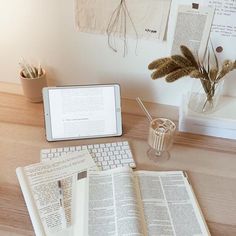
[{"x": 160, "y": 138}]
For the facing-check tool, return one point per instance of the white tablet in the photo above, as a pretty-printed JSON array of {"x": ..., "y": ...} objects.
[{"x": 77, "y": 112}]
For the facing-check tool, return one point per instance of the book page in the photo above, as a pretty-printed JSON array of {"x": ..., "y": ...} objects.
[
  {"x": 42, "y": 180},
  {"x": 169, "y": 205},
  {"x": 192, "y": 29},
  {"x": 113, "y": 208}
]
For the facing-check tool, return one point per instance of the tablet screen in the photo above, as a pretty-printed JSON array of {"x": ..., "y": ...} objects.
[{"x": 83, "y": 111}]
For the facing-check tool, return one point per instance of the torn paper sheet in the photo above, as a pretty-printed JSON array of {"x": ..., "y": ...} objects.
[
  {"x": 192, "y": 29},
  {"x": 137, "y": 18}
]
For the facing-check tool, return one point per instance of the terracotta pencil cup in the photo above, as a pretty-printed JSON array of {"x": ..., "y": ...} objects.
[{"x": 32, "y": 87}]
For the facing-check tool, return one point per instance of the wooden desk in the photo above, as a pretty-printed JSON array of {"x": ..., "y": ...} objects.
[{"x": 209, "y": 162}]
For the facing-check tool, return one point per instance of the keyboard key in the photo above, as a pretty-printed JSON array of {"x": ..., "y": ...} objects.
[
  {"x": 98, "y": 154},
  {"x": 104, "y": 163},
  {"x": 105, "y": 168},
  {"x": 124, "y": 161},
  {"x": 45, "y": 151},
  {"x": 44, "y": 155},
  {"x": 128, "y": 152},
  {"x": 125, "y": 147}
]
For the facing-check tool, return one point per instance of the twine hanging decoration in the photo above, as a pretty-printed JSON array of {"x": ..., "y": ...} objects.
[{"x": 117, "y": 27}]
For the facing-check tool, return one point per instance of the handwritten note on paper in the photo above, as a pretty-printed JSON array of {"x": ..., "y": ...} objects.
[{"x": 223, "y": 32}]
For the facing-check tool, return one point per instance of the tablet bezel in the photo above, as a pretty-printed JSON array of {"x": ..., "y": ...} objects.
[{"x": 47, "y": 118}]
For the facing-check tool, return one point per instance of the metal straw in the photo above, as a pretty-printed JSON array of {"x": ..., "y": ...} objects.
[{"x": 144, "y": 109}]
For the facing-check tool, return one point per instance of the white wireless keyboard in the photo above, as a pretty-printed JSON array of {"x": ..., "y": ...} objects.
[{"x": 106, "y": 155}]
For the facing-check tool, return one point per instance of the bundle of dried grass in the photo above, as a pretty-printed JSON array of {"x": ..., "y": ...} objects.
[
  {"x": 174, "y": 67},
  {"x": 178, "y": 66}
]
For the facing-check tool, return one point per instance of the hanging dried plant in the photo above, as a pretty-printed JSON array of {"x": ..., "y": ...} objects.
[{"x": 117, "y": 26}]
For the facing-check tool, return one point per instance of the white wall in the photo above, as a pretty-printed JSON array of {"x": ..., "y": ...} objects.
[{"x": 45, "y": 30}]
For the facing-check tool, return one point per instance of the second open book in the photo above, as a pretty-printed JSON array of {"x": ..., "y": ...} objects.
[{"x": 123, "y": 202}]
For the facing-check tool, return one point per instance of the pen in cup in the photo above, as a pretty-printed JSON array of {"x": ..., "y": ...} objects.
[{"x": 61, "y": 202}]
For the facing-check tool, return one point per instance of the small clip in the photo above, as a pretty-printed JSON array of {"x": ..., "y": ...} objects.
[{"x": 195, "y": 5}]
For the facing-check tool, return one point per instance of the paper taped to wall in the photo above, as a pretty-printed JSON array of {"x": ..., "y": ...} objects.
[
  {"x": 223, "y": 32},
  {"x": 192, "y": 29},
  {"x": 137, "y": 18}
]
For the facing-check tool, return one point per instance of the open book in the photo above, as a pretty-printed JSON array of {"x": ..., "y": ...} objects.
[
  {"x": 49, "y": 209},
  {"x": 122, "y": 202}
]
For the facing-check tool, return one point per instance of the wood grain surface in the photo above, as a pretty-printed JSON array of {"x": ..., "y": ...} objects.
[{"x": 210, "y": 162}]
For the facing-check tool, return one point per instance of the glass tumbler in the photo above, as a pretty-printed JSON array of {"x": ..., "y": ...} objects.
[{"x": 160, "y": 139}]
